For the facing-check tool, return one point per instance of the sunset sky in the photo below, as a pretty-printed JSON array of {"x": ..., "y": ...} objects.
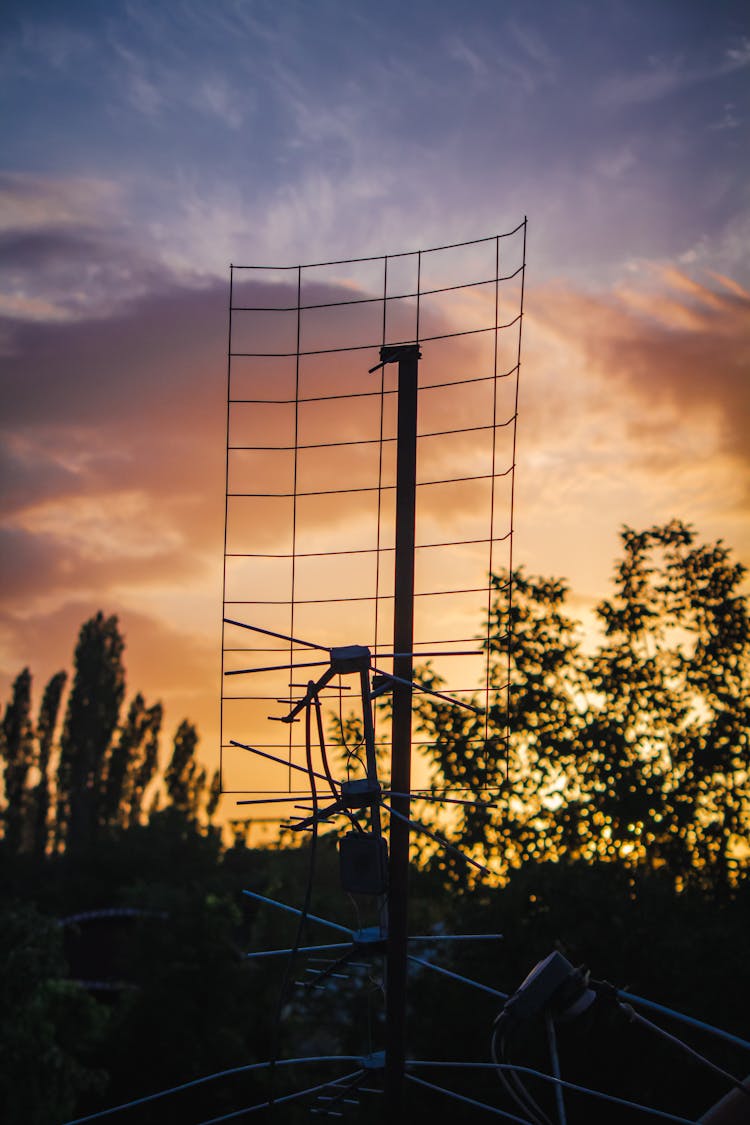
[{"x": 146, "y": 146}]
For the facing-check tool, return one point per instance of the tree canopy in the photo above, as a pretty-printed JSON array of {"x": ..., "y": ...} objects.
[
  {"x": 612, "y": 771},
  {"x": 631, "y": 747},
  {"x": 67, "y": 794}
]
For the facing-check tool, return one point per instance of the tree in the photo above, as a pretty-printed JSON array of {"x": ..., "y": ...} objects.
[
  {"x": 636, "y": 752},
  {"x": 18, "y": 751},
  {"x": 104, "y": 767},
  {"x": 91, "y": 718},
  {"x": 184, "y": 778},
  {"x": 48, "y": 1024},
  {"x": 46, "y": 725},
  {"x": 214, "y": 796},
  {"x": 670, "y": 717},
  {"x": 131, "y": 764}
]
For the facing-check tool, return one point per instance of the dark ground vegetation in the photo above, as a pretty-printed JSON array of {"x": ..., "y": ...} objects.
[{"x": 620, "y": 835}]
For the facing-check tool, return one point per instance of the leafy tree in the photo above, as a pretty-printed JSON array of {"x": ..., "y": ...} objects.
[
  {"x": 131, "y": 765},
  {"x": 48, "y": 1025},
  {"x": 670, "y": 717},
  {"x": 90, "y": 722},
  {"x": 214, "y": 796},
  {"x": 184, "y": 778},
  {"x": 104, "y": 767},
  {"x": 46, "y": 725},
  {"x": 636, "y": 752},
  {"x": 18, "y": 751}
]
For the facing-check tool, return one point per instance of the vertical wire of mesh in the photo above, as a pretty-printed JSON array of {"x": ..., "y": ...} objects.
[
  {"x": 226, "y": 519},
  {"x": 509, "y": 689},
  {"x": 488, "y": 639},
  {"x": 419, "y": 294},
  {"x": 378, "y": 540},
  {"x": 294, "y": 508}
]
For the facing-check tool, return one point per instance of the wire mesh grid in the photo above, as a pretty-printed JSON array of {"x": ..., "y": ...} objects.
[{"x": 310, "y": 481}]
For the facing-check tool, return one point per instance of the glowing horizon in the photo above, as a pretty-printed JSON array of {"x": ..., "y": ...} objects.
[{"x": 147, "y": 149}]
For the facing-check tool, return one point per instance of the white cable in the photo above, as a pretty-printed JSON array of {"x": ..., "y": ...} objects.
[
  {"x": 278, "y": 1101},
  {"x": 469, "y": 1101},
  {"x": 209, "y": 1078},
  {"x": 457, "y": 976},
  {"x": 663, "y": 1114},
  {"x": 636, "y": 1017},
  {"x": 513, "y": 1085},
  {"x": 555, "y": 1060},
  {"x": 690, "y": 1020}
]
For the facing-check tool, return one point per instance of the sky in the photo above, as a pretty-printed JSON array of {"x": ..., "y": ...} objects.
[{"x": 146, "y": 147}]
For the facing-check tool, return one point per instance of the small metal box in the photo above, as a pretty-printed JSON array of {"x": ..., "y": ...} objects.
[{"x": 363, "y": 860}]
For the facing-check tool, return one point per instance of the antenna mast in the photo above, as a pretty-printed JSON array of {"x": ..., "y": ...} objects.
[{"x": 407, "y": 357}]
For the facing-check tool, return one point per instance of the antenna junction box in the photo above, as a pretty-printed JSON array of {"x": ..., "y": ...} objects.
[
  {"x": 360, "y": 793},
  {"x": 350, "y": 658},
  {"x": 363, "y": 863},
  {"x": 552, "y": 984}
]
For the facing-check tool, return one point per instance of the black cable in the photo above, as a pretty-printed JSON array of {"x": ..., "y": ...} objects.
[
  {"x": 350, "y": 752},
  {"x": 288, "y": 972},
  {"x": 322, "y": 742},
  {"x": 326, "y": 767}
]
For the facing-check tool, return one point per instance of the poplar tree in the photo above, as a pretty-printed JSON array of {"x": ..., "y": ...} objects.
[
  {"x": 18, "y": 752},
  {"x": 131, "y": 764},
  {"x": 45, "y": 731},
  {"x": 184, "y": 778},
  {"x": 90, "y": 722}
]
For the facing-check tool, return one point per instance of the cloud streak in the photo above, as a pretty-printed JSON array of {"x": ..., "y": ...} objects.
[
  {"x": 667, "y": 76},
  {"x": 634, "y": 407}
]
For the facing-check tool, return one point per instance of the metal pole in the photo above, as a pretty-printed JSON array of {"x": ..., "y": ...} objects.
[{"x": 407, "y": 357}]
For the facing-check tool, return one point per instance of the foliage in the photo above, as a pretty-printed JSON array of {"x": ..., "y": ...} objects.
[
  {"x": 90, "y": 722},
  {"x": 48, "y": 1025},
  {"x": 636, "y": 751},
  {"x": 618, "y": 825},
  {"x": 46, "y": 725},
  {"x": 93, "y": 784},
  {"x": 184, "y": 778},
  {"x": 131, "y": 764},
  {"x": 18, "y": 750}
]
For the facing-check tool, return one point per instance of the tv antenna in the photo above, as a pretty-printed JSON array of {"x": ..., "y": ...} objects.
[{"x": 363, "y": 524}]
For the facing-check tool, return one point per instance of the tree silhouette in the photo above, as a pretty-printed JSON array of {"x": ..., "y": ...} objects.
[
  {"x": 94, "y": 785},
  {"x": 48, "y": 1024},
  {"x": 669, "y": 759},
  {"x": 131, "y": 765},
  {"x": 46, "y": 725},
  {"x": 90, "y": 722},
  {"x": 635, "y": 752},
  {"x": 185, "y": 780},
  {"x": 18, "y": 751}
]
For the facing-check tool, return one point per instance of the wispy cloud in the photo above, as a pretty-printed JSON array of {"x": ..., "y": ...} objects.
[
  {"x": 634, "y": 407},
  {"x": 33, "y": 202},
  {"x": 70, "y": 249},
  {"x": 667, "y": 344},
  {"x": 54, "y": 44},
  {"x": 730, "y": 118},
  {"x": 665, "y": 76}
]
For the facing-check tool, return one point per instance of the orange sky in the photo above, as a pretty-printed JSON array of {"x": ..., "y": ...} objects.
[
  {"x": 148, "y": 146},
  {"x": 633, "y": 410}
]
